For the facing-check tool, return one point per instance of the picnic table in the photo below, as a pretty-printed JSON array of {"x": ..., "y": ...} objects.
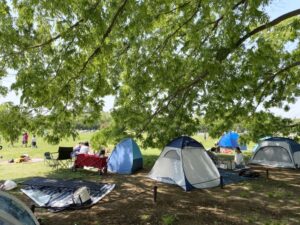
[{"x": 91, "y": 161}]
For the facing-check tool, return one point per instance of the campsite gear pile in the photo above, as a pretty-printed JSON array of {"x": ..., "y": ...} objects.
[
  {"x": 86, "y": 160},
  {"x": 226, "y": 164},
  {"x": 15, "y": 212},
  {"x": 23, "y": 158}
]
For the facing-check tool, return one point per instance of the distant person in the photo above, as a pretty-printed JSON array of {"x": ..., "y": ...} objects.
[
  {"x": 25, "y": 139},
  {"x": 76, "y": 149},
  {"x": 212, "y": 154},
  {"x": 33, "y": 142},
  {"x": 217, "y": 148},
  {"x": 102, "y": 153},
  {"x": 239, "y": 159},
  {"x": 85, "y": 148}
]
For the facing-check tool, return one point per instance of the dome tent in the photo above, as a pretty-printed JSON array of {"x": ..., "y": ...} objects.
[
  {"x": 126, "y": 158},
  {"x": 229, "y": 140},
  {"x": 15, "y": 212},
  {"x": 185, "y": 162},
  {"x": 277, "y": 152}
]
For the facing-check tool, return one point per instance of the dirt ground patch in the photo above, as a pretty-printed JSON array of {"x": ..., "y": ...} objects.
[{"x": 272, "y": 201}]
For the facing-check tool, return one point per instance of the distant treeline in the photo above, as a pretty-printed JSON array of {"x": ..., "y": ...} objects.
[{"x": 83, "y": 123}]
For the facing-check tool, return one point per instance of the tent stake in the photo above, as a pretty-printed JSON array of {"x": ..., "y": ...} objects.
[
  {"x": 154, "y": 194},
  {"x": 221, "y": 182},
  {"x": 32, "y": 208}
]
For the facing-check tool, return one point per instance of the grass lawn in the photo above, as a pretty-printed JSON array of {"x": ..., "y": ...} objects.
[{"x": 24, "y": 170}]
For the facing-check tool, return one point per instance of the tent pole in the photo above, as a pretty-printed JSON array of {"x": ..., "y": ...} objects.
[{"x": 221, "y": 182}]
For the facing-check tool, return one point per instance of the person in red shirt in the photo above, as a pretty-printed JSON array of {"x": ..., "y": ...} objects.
[{"x": 25, "y": 139}]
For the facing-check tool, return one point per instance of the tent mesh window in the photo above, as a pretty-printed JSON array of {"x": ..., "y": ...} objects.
[
  {"x": 273, "y": 154},
  {"x": 172, "y": 154}
]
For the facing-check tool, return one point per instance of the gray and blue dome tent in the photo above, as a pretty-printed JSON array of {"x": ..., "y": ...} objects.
[
  {"x": 15, "y": 212},
  {"x": 126, "y": 158},
  {"x": 185, "y": 162},
  {"x": 277, "y": 152}
]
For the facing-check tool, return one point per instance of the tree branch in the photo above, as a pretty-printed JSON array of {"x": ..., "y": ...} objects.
[
  {"x": 217, "y": 22},
  {"x": 49, "y": 41},
  {"x": 225, "y": 51},
  {"x": 270, "y": 79},
  {"x": 268, "y": 25},
  {"x": 171, "y": 98},
  {"x": 52, "y": 39},
  {"x": 179, "y": 28},
  {"x": 105, "y": 35},
  {"x": 174, "y": 9}
]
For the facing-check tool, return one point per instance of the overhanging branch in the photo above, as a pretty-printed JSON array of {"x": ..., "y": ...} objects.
[
  {"x": 105, "y": 35},
  {"x": 49, "y": 41},
  {"x": 52, "y": 39},
  {"x": 222, "y": 53},
  {"x": 271, "y": 79},
  {"x": 268, "y": 25}
]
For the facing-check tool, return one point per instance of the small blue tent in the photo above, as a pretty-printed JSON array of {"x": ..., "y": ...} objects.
[
  {"x": 126, "y": 158},
  {"x": 229, "y": 140}
]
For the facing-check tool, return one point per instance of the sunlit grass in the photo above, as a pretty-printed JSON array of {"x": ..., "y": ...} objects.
[{"x": 23, "y": 170}]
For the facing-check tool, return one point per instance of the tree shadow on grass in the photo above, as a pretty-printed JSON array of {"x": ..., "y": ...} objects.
[{"x": 131, "y": 202}]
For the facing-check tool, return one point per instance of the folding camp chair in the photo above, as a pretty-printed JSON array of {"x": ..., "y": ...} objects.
[
  {"x": 49, "y": 159},
  {"x": 60, "y": 159}
]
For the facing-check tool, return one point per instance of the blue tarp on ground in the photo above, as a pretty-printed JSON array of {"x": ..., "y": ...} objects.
[
  {"x": 231, "y": 177},
  {"x": 58, "y": 194}
]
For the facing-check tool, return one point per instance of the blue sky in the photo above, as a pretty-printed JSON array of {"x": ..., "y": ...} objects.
[{"x": 277, "y": 8}]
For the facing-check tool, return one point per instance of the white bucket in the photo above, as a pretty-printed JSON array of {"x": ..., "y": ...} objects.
[{"x": 81, "y": 196}]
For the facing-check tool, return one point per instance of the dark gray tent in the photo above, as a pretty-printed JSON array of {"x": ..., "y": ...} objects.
[{"x": 277, "y": 152}]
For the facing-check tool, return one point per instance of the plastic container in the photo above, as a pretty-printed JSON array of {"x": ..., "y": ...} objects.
[
  {"x": 8, "y": 185},
  {"x": 81, "y": 196}
]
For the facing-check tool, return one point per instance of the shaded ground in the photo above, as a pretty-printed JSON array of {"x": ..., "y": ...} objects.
[{"x": 272, "y": 201}]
